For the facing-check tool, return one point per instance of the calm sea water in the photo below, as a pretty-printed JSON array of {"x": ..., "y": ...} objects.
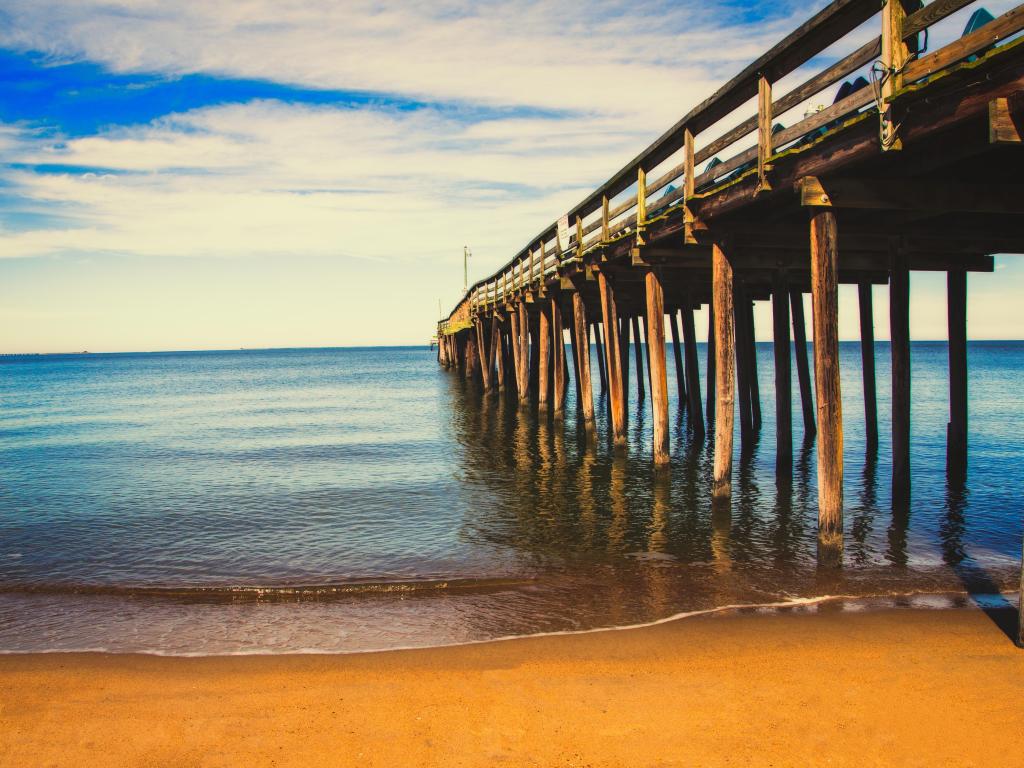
[{"x": 351, "y": 499}]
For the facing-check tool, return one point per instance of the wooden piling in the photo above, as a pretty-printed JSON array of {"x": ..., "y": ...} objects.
[
  {"x": 558, "y": 358},
  {"x": 712, "y": 365},
  {"x": 472, "y": 360},
  {"x": 899, "y": 333},
  {"x": 751, "y": 349},
  {"x": 523, "y": 383},
  {"x": 725, "y": 356},
  {"x": 803, "y": 374},
  {"x": 825, "y": 303},
  {"x": 867, "y": 365},
  {"x": 602, "y": 371},
  {"x": 533, "y": 355},
  {"x": 498, "y": 352},
  {"x": 609, "y": 313},
  {"x": 693, "y": 404},
  {"x": 656, "y": 357},
  {"x": 624, "y": 366},
  {"x": 956, "y": 432},
  {"x": 678, "y": 355},
  {"x": 582, "y": 352},
  {"x": 483, "y": 354},
  {"x": 544, "y": 355},
  {"x": 783, "y": 376},
  {"x": 638, "y": 355},
  {"x": 742, "y": 360}
]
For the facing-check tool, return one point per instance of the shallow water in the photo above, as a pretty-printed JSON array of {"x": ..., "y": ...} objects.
[{"x": 348, "y": 499}]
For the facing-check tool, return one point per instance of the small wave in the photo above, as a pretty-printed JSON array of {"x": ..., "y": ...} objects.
[{"x": 279, "y": 592}]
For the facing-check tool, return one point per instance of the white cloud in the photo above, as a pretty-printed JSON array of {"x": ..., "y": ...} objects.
[{"x": 599, "y": 56}]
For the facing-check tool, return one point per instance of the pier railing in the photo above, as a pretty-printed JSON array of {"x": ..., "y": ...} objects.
[{"x": 626, "y": 204}]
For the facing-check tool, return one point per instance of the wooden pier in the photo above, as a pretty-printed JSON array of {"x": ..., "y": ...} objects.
[{"x": 915, "y": 165}]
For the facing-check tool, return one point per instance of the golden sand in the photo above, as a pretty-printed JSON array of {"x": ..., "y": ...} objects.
[{"x": 929, "y": 688}]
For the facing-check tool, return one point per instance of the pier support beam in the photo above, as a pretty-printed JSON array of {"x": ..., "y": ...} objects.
[
  {"x": 742, "y": 360},
  {"x": 581, "y": 350},
  {"x": 783, "y": 377},
  {"x": 558, "y": 357},
  {"x": 544, "y": 358},
  {"x": 602, "y": 370},
  {"x": 483, "y": 353},
  {"x": 498, "y": 353},
  {"x": 638, "y": 355},
  {"x": 609, "y": 314},
  {"x": 867, "y": 365},
  {"x": 825, "y": 301},
  {"x": 656, "y": 359},
  {"x": 472, "y": 360},
  {"x": 678, "y": 355},
  {"x": 523, "y": 357},
  {"x": 624, "y": 367},
  {"x": 956, "y": 431},
  {"x": 693, "y": 404},
  {"x": 725, "y": 385},
  {"x": 751, "y": 351},
  {"x": 803, "y": 375},
  {"x": 712, "y": 360},
  {"x": 899, "y": 321}
]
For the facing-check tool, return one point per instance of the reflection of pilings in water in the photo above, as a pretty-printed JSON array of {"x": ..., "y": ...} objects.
[
  {"x": 900, "y": 523},
  {"x": 721, "y": 532},
  {"x": 617, "y": 500},
  {"x": 747, "y": 493},
  {"x": 660, "y": 507},
  {"x": 954, "y": 524},
  {"x": 585, "y": 496},
  {"x": 864, "y": 517}
]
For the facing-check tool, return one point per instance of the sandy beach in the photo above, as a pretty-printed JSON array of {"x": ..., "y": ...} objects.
[{"x": 894, "y": 687}]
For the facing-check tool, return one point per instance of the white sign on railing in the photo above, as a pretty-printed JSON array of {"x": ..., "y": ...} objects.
[{"x": 563, "y": 232}]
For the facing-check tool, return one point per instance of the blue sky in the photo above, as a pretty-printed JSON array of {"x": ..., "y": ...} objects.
[{"x": 176, "y": 175}]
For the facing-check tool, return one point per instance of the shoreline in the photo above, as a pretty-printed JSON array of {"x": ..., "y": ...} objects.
[
  {"x": 915, "y": 600},
  {"x": 786, "y": 688}
]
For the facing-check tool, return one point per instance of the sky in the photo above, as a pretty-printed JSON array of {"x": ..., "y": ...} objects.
[{"x": 178, "y": 174}]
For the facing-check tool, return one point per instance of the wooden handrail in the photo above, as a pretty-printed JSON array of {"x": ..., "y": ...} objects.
[{"x": 826, "y": 27}]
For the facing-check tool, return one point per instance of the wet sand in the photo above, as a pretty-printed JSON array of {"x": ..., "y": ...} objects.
[{"x": 893, "y": 687}]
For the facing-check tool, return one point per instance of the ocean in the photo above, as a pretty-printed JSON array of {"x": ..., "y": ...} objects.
[{"x": 341, "y": 500}]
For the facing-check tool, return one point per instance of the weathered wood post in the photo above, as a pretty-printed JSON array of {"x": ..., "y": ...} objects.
[
  {"x": 803, "y": 374},
  {"x": 867, "y": 364},
  {"x": 956, "y": 432},
  {"x": 692, "y": 374},
  {"x": 498, "y": 352},
  {"x": 483, "y": 354},
  {"x": 558, "y": 357},
  {"x": 609, "y": 314},
  {"x": 638, "y": 355},
  {"x": 523, "y": 382},
  {"x": 825, "y": 303},
  {"x": 899, "y": 321},
  {"x": 783, "y": 376},
  {"x": 751, "y": 351},
  {"x": 725, "y": 386},
  {"x": 742, "y": 360},
  {"x": 678, "y": 355},
  {"x": 471, "y": 357},
  {"x": 544, "y": 357},
  {"x": 515, "y": 349},
  {"x": 656, "y": 357},
  {"x": 624, "y": 367},
  {"x": 712, "y": 359},
  {"x": 602, "y": 371},
  {"x": 582, "y": 351},
  {"x": 533, "y": 373}
]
